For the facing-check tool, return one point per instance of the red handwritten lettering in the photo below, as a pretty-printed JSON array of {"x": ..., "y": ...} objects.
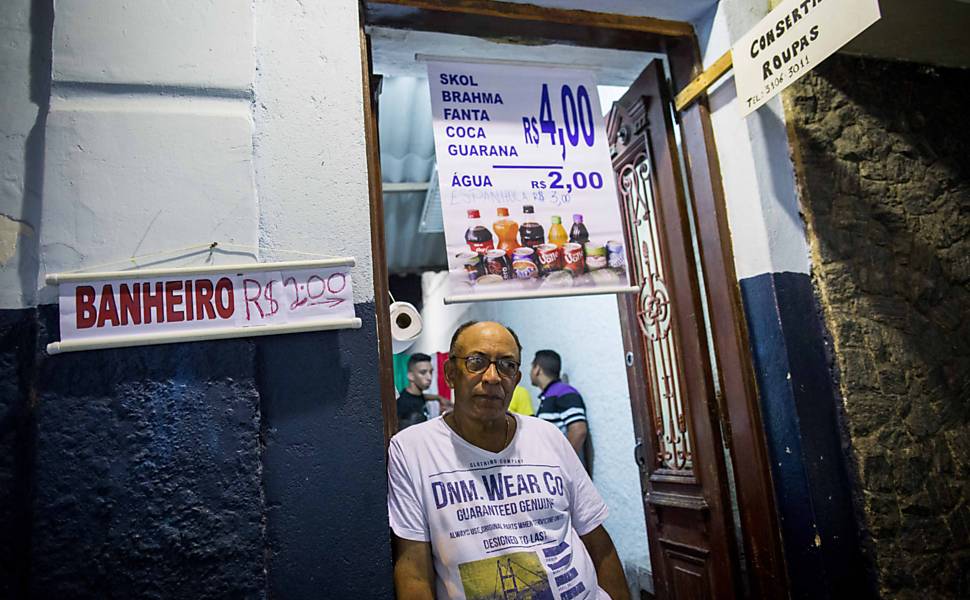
[
  {"x": 254, "y": 299},
  {"x": 274, "y": 306},
  {"x": 297, "y": 302},
  {"x": 309, "y": 290},
  {"x": 343, "y": 283}
]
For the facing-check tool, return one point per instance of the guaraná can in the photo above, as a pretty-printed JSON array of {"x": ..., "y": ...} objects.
[
  {"x": 549, "y": 259},
  {"x": 523, "y": 263},
  {"x": 573, "y": 259}
]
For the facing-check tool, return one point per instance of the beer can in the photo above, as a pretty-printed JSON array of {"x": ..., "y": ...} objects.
[
  {"x": 573, "y": 259},
  {"x": 614, "y": 254},
  {"x": 595, "y": 256},
  {"x": 549, "y": 259},
  {"x": 497, "y": 264},
  {"x": 523, "y": 263},
  {"x": 472, "y": 262}
]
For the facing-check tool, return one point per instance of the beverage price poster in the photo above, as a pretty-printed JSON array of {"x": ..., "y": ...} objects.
[{"x": 528, "y": 193}]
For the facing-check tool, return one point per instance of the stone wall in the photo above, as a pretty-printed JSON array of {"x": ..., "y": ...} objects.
[{"x": 881, "y": 151}]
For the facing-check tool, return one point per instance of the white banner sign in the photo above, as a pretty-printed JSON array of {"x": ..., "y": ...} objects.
[
  {"x": 527, "y": 187},
  {"x": 130, "y": 309},
  {"x": 791, "y": 40}
]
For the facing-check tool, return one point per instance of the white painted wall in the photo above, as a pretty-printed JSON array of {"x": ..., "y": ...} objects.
[
  {"x": 19, "y": 203},
  {"x": 175, "y": 124},
  {"x": 585, "y": 331},
  {"x": 767, "y": 231},
  {"x": 310, "y": 150},
  {"x": 149, "y": 137},
  {"x": 177, "y": 43}
]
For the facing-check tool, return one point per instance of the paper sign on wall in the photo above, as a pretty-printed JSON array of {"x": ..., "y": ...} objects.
[
  {"x": 791, "y": 40},
  {"x": 125, "y": 309},
  {"x": 527, "y": 187}
]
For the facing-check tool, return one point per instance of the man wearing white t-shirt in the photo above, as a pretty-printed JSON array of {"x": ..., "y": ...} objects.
[{"x": 487, "y": 504}]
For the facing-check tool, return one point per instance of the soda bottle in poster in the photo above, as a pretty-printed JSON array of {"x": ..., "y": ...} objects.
[
  {"x": 557, "y": 233},
  {"x": 478, "y": 237},
  {"x": 531, "y": 233},
  {"x": 507, "y": 231},
  {"x": 578, "y": 233}
]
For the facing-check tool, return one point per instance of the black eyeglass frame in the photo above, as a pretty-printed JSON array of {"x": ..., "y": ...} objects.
[{"x": 498, "y": 368}]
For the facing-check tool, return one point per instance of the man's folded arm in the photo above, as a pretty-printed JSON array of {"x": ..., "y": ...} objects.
[{"x": 413, "y": 570}]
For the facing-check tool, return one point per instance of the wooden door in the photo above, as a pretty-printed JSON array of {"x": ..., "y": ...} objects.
[{"x": 679, "y": 446}]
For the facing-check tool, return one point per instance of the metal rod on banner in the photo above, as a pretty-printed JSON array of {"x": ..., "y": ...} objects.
[
  {"x": 346, "y": 261},
  {"x": 561, "y": 293},
  {"x": 215, "y": 334}
]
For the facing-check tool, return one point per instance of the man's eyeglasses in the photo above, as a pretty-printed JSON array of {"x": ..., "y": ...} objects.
[{"x": 479, "y": 363}]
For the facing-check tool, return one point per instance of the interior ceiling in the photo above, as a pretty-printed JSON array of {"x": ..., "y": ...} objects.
[
  {"x": 394, "y": 52},
  {"x": 673, "y": 10},
  {"x": 407, "y": 143}
]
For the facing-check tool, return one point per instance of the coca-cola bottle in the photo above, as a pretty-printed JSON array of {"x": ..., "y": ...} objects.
[
  {"x": 479, "y": 238},
  {"x": 531, "y": 233}
]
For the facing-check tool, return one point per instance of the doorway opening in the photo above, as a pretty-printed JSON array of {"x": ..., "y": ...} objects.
[
  {"x": 662, "y": 437},
  {"x": 585, "y": 331}
]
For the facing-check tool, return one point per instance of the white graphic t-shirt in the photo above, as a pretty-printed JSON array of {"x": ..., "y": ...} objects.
[{"x": 503, "y": 524}]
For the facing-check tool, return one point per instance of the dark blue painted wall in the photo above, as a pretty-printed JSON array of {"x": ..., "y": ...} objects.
[
  {"x": 17, "y": 335},
  {"x": 809, "y": 462},
  {"x": 227, "y": 469},
  {"x": 324, "y": 464},
  {"x": 147, "y": 472}
]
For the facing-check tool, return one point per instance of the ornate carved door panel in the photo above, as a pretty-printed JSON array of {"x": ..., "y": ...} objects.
[{"x": 680, "y": 451}]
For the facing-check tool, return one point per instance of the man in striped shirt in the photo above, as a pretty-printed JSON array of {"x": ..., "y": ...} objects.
[{"x": 559, "y": 403}]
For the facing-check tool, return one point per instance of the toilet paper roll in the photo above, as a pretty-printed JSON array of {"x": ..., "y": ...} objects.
[{"x": 406, "y": 326}]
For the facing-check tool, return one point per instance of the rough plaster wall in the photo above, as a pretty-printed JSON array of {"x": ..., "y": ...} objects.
[
  {"x": 148, "y": 151},
  {"x": 887, "y": 195},
  {"x": 586, "y": 332},
  {"x": 19, "y": 196},
  {"x": 310, "y": 150}
]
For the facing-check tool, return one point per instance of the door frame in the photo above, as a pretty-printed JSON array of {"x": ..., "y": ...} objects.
[{"x": 738, "y": 404}]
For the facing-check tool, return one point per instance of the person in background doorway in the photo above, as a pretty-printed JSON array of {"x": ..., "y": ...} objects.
[
  {"x": 412, "y": 404},
  {"x": 560, "y": 403},
  {"x": 460, "y": 486},
  {"x": 521, "y": 402}
]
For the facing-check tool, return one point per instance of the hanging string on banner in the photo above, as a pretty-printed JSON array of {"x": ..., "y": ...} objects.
[{"x": 184, "y": 252}]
